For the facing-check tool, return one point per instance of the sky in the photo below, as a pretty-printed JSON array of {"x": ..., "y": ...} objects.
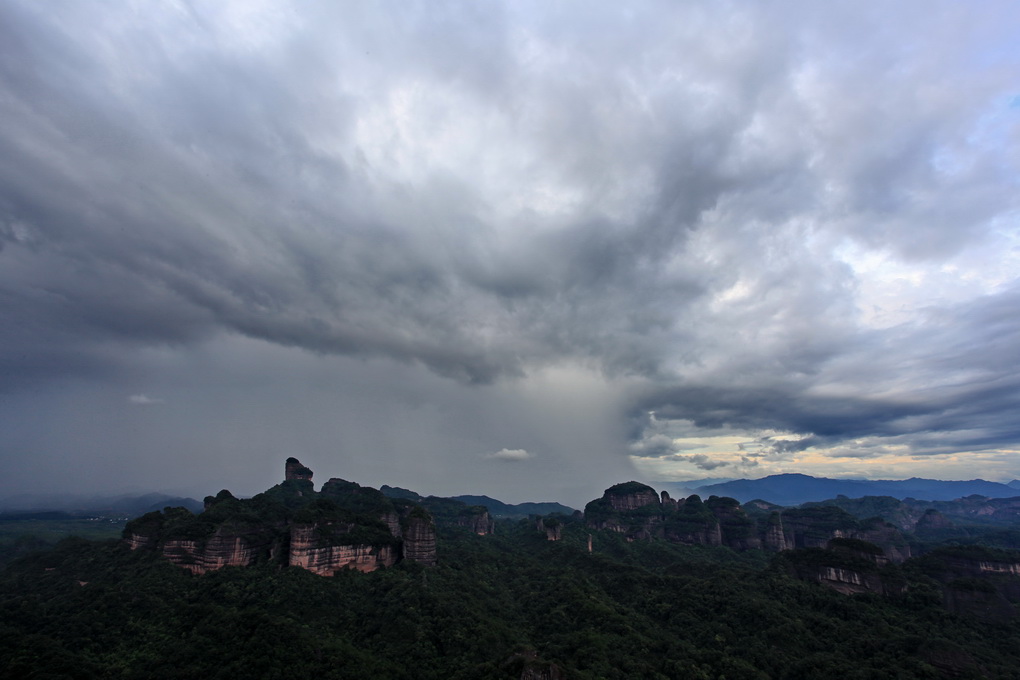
[{"x": 525, "y": 249}]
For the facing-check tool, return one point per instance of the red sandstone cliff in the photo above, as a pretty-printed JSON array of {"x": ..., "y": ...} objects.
[
  {"x": 295, "y": 471},
  {"x": 346, "y": 526},
  {"x": 313, "y": 547},
  {"x": 420, "y": 538}
]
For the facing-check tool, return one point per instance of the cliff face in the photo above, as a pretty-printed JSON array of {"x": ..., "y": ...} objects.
[
  {"x": 848, "y": 581},
  {"x": 975, "y": 580},
  {"x": 631, "y": 496},
  {"x": 630, "y": 508},
  {"x": 736, "y": 529},
  {"x": 476, "y": 519},
  {"x": 420, "y": 539},
  {"x": 295, "y": 471},
  {"x": 774, "y": 539},
  {"x": 552, "y": 528},
  {"x": 228, "y": 545},
  {"x": 982, "y": 586},
  {"x": 138, "y": 540},
  {"x": 220, "y": 551},
  {"x": 345, "y": 526},
  {"x": 893, "y": 543},
  {"x": 311, "y": 548},
  {"x": 391, "y": 518},
  {"x": 637, "y": 511},
  {"x": 849, "y": 566},
  {"x": 815, "y": 526}
]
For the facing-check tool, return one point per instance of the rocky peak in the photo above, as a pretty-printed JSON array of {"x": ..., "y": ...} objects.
[
  {"x": 631, "y": 496},
  {"x": 295, "y": 471},
  {"x": 849, "y": 566},
  {"x": 551, "y": 527},
  {"x": 222, "y": 496},
  {"x": 345, "y": 526},
  {"x": 476, "y": 519}
]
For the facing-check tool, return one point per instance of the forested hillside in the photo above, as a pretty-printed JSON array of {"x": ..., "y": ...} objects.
[{"x": 508, "y": 605}]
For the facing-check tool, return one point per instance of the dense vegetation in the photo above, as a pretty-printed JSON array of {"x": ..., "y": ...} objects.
[
  {"x": 495, "y": 605},
  {"x": 24, "y": 533}
]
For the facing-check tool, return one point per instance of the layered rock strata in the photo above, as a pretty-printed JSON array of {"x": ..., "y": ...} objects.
[
  {"x": 346, "y": 526},
  {"x": 295, "y": 471},
  {"x": 311, "y": 550},
  {"x": 420, "y": 539}
]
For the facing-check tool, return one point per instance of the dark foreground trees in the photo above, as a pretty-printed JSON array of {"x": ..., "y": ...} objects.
[{"x": 494, "y": 605}]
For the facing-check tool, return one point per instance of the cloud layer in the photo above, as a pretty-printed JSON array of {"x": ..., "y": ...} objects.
[{"x": 789, "y": 231}]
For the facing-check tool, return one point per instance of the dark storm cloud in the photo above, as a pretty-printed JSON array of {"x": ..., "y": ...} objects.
[
  {"x": 956, "y": 388},
  {"x": 688, "y": 197}
]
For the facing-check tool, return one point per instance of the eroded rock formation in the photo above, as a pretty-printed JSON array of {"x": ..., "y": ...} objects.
[
  {"x": 295, "y": 471},
  {"x": 638, "y": 512},
  {"x": 476, "y": 519},
  {"x": 552, "y": 528},
  {"x": 345, "y": 526},
  {"x": 313, "y": 547},
  {"x": 631, "y": 496},
  {"x": 420, "y": 537},
  {"x": 774, "y": 538},
  {"x": 849, "y": 566}
]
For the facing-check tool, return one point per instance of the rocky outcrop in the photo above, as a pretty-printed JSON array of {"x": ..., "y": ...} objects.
[
  {"x": 848, "y": 566},
  {"x": 198, "y": 546},
  {"x": 225, "y": 548},
  {"x": 976, "y": 580},
  {"x": 476, "y": 519},
  {"x": 848, "y": 581},
  {"x": 859, "y": 550},
  {"x": 636, "y": 511},
  {"x": 391, "y": 518},
  {"x": 345, "y": 526},
  {"x": 893, "y": 543},
  {"x": 668, "y": 504},
  {"x": 313, "y": 547},
  {"x": 551, "y": 527},
  {"x": 814, "y": 527},
  {"x": 693, "y": 523},
  {"x": 419, "y": 538},
  {"x": 295, "y": 471},
  {"x": 138, "y": 540},
  {"x": 736, "y": 529},
  {"x": 774, "y": 539},
  {"x": 631, "y": 496},
  {"x": 630, "y": 508}
]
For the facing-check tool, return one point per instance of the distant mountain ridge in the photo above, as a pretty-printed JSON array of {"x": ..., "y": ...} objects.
[
  {"x": 501, "y": 509},
  {"x": 496, "y": 508},
  {"x": 123, "y": 505},
  {"x": 794, "y": 489}
]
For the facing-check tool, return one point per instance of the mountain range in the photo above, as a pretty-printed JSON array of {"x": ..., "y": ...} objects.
[
  {"x": 348, "y": 581},
  {"x": 794, "y": 489},
  {"x": 498, "y": 509}
]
